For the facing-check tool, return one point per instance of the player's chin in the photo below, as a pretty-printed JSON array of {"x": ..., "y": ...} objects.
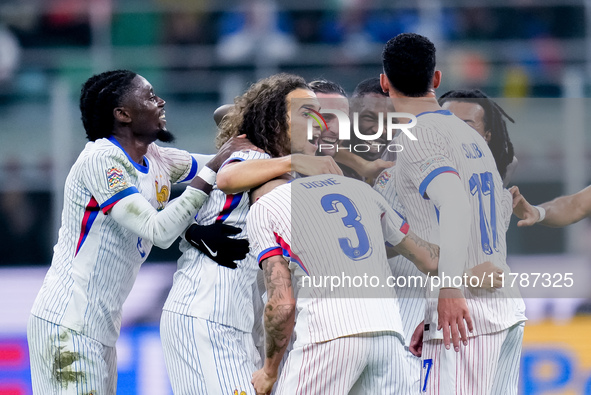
[{"x": 165, "y": 136}]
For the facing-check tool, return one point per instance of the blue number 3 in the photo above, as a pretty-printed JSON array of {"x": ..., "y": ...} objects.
[{"x": 351, "y": 220}]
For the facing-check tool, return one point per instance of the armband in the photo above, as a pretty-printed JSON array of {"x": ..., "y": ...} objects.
[
  {"x": 207, "y": 175},
  {"x": 542, "y": 212}
]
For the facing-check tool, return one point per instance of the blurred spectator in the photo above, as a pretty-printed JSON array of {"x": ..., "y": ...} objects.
[
  {"x": 66, "y": 22},
  {"x": 307, "y": 26},
  {"x": 23, "y": 222},
  {"x": 254, "y": 31},
  {"x": 516, "y": 82},
  {"x": 185, "y": 21},
  {"x": 9, "y": 55}
]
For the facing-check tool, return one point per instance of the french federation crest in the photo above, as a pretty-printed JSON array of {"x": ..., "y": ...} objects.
[{"x": 115, "y": 178}]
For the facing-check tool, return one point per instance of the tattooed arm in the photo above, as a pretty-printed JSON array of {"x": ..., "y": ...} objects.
[
  {"x": 423, "y": 254},
  {"x": 279, "y": 317}
]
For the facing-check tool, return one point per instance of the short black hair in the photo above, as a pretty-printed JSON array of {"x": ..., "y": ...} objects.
[
  {"x": 409, "y": 63},
  {"x": 494, "y": 122},
  {"x": 321, "y": 85},
  {"x": 100, "y": 94},
  {"x": 367, "y": 86}
]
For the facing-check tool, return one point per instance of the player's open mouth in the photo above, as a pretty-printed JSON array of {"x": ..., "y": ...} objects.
[{"x": 329, "y": 140}]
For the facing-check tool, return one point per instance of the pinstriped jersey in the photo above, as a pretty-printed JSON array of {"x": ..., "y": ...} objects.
[
  {"x": 202, "y": 288},
  {"x": 446, "y": 144},
  {"x": 96, "y": 260},
  {"x": 327, "y": 226},
  {"x": 411, "y": 297}
]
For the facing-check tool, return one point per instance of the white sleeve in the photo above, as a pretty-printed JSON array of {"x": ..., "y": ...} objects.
[
  {"x": 260, "y": 230},
  {"x": 447, "y": 192},
  {"x": 162, "y": 228},
  {"x": 394, "y": 225},
  {"x": 201, "y": 160}
]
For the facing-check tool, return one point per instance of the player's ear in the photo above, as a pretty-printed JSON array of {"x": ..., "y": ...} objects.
[
  {"x": 487, "y": 136},
  {"x": 384, "y": 83},
  {"x": 436, "y": 79},
  {"x": 121, "y": 115}
]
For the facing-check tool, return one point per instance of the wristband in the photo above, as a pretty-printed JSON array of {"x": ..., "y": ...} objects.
[
  {"x": 542, "y": 212},
  {"x": 207, "y": 175}
]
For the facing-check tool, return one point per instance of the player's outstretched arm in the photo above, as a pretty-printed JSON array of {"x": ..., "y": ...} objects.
[
  {"x": 562, "y": 211},
  {"x": 238, "y": 177},
  {"x": 522, "y": 209},
  {"x": 241, "y": 176},
  {"x": 163, "y": 227},
  {"x": 365, "y": 168},
  {"x": 279, "y": 318},
  {"x": 447, "y": 193}
]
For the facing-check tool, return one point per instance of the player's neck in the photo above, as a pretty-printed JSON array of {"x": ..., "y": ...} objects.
[
  {"x": 135, "y": 148},
  {"x": 416, "y": 105}
]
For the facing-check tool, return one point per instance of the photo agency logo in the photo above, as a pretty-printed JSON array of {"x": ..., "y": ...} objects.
[{"x": 361, "y": 141}]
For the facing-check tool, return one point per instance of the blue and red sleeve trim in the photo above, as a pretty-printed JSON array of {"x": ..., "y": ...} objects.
[
  {"x": 432, "y": 175},
  {"x": 404, "y": 227},
  {"x": 106, "y": 206},
  {"x": 193, "y": 172},
  {"x": 232, "y": 201},
  {"x": 268, "y": 253},
  {"x": 230, "y": 160},
  {"x": 90, "y": 214}
]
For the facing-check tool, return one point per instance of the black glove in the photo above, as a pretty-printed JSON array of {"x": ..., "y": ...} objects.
[{"x": 215, "y": 242}]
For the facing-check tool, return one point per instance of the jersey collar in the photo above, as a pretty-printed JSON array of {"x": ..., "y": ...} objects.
[
  {"x": 140, "y": 168},
  {"x": 442, "y": 112}
]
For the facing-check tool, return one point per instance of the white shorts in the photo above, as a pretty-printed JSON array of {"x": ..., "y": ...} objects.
[
  {"x": 204, "y": 357},
  {"x": 488, "y": 365},
  {"x": 65, "y": 362},
  {"x": 362, "y": 364}
]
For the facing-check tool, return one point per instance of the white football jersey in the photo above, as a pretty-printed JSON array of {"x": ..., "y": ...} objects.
[
  {"x": 202, "y": 288},
  {"x": 96, "y": 260},
  {"x": 446, "y": 144},
  {"x": 411, "y": 295},
  {"x": 332, "y": 227}
]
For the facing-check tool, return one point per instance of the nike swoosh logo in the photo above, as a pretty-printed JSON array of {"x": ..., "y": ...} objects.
[{"x": 214, "y": 254}]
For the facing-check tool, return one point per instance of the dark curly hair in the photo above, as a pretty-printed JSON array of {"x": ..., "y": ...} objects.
[
  {"x": 494, "y": 122},
  {"x": 100, "y": 94},
  {"x": 409, "y": 63},
  {"x": 261, "y": 114}
]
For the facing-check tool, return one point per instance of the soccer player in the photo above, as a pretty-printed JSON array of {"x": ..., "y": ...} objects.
[
  {"x": 346, "y": 338},
  {"x": 487, "y": 118},
  {"x": 115, "y": 208},
  {"x": 449, "y": 184},
  {"x": 562, "y": 211},
  {"x": 208, "y": 316},
  {"x": 330, "y": 95},
  {"x": 333, "y": 96},
  {"x": 372, "y": 105}
]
